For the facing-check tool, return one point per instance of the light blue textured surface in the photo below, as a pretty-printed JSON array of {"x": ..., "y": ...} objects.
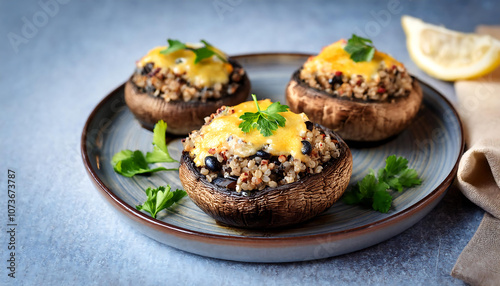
[{"x": 68, "y": 235}]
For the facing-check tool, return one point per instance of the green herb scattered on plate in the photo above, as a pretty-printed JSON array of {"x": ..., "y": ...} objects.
[
  {"x": 129, "y": 163},
  {"x": 372, "y": 190},
  {"x": 159, "y": 199}
]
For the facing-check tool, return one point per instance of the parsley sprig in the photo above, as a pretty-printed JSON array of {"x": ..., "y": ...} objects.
[
  {"x": 373, "y": 191},
  {"x": 159, "y": 199},
  {"x": 201, "y": 53},
  {"x": 265, "y": 121},
  {"x": 360, "y": 49},
  {"x": 129, "y": 163}
]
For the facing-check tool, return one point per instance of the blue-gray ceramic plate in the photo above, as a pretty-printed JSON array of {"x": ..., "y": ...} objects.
[{"x": 432, "y": 144}]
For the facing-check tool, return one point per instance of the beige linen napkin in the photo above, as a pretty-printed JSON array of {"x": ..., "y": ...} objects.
[{"x": 479, "y": 173}]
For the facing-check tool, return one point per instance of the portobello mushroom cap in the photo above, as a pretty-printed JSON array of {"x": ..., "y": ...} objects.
[
  {"x": 271, "y": 207},
  {"x": 181, "y": 116},
  {"x": 355, "y": 120}
]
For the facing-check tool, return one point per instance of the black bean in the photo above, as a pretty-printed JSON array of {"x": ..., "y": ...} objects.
[
  {"x": 309, "y": 125},
  {"x": 228, "y": 183},
  {"x": 306, "y": 147},
  {"x": 263, "y": 154},
  {"x": 212, "y": 163},
  {"x": 337, "y": 79},
  {"x": 281, "y": 168},
  {"x": 150, "y": 89},
  {"x": 147, "y": 68},
  {"x": 275, "y": 161},
  {"x": 275, "y": 176}
]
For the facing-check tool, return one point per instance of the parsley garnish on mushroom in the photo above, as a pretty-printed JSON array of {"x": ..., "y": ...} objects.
[{"x": 204, "y": 52}]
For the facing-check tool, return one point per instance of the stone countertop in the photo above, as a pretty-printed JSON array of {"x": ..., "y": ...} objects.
[{"x": 59, "y": 59}]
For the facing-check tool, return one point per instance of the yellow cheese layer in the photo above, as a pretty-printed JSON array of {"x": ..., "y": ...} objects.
[
  {"x": 284, "y": 141},
  {"x": 205, "y": 73},
  {"x": 334, "y": 58}
]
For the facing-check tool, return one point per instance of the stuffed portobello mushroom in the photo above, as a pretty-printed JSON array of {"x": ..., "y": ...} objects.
[
  {"x": 244, "y": 174},
  {"x": 359, "y": 92},
  {"x": 181, "y": 84}
]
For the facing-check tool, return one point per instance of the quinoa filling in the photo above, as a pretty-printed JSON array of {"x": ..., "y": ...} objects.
[
  {"x": 262, "y": 169},
  {"x": 387, "y": 84},
  {"x": 164, "y": 83}
]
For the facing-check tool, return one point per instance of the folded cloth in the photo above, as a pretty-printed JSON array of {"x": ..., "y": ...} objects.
[{"x": 479, "y": 173}]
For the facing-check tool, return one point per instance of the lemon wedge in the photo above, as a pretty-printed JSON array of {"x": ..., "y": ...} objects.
[{"x": 447, "y": 54}]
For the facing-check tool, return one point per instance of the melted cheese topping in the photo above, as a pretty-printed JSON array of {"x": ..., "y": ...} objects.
[
  {"x": 334, "y": 58},
  {"x": 206, "y": 73},
  {"x": 284, "y": 141}
]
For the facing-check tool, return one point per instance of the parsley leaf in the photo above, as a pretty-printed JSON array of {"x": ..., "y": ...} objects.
[
  {"x": 370, "y": 185},
  {"x": 352, "y": 196},
  {"x": 360, "y": 49},
  {"x": 201, "y": 53},
  {"x": 265, "y": 121},
  {"x": 160, "y": 150},
  {"x": 372, "y": 191},
  {"x": 409, "y": 178},
  {"x": 173, "y": 46},
  {"x": 394, "y": 165},
  {"x": 159, "y": 199},
  {"x": 382, "y": 201},
  {"x": 215, "y": 51},
  {"x": 397, "y": 175},
  {"x": 129, "y": 163},
  {"x": 367, "y": 185}
]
